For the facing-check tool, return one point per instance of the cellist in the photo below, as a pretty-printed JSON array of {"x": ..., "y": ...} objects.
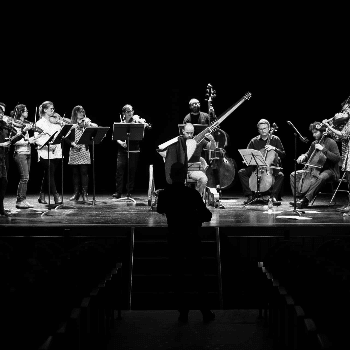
[
  {"x": 267, "y": 142},
  {"x": 330, "y": 169}
]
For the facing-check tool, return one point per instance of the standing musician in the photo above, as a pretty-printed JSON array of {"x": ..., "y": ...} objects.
[
  {"x": 177, "y": 152},
  {"x": 22, "y": 155},
  {"x": 122, "y": 158},
  {"x": 330, "y": 169},
  {"x": 49, "y": 123},
  {"x": 79, "y": 155},
  {"x": 267, "y": 142},
  {"x": 196, "y": 116},
  {"x": 344, "y": 136},
  {"x": 5, "y": 141}
]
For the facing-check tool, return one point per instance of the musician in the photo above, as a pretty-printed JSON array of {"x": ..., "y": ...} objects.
[
  {"x": 22, "y": 155},
  {"x": 5, "y": 129},
  {"x": 178, "y": 153},
  {"x": 79, "y": 155},
  {"x": 258, "y": 143},
  {"x": 330, "y": 169},
  {"x": 122, "y": 158},
  {"x": 196, "y": 116},
  {"x": 49, "y": 124},
  {"x": 344, "y": 136}
]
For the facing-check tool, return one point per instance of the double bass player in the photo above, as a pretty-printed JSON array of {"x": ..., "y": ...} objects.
[{"x": 329, "y": 171}]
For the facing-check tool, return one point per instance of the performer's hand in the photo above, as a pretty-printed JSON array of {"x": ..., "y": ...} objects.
[
  {"x": 210, "y": 137},
  {"x": 325, "y": 122},
  {"x": 123, "y": 144},
  {"x": 301, "y": 159},
  {"x": 5, "y": 144},
  {"x": 270, "y": 148},
  {"x": 319, "y": 147}
]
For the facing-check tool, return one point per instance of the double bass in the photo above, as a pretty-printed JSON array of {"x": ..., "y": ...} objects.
[
  {"x": 264, "y": 175},
  {"x": 222, "y": 170}
]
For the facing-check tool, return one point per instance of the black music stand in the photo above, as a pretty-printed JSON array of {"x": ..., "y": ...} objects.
[
  {"x": 48, "y": 143},
  {"x": 60, "y": 139},
  {"x": 128, "y": 131},
  {"x": 92, "y": 136},
  {"x": 254, "y": 158}
]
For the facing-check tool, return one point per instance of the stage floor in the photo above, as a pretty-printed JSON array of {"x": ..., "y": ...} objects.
[{"x": 111, "y": 212}]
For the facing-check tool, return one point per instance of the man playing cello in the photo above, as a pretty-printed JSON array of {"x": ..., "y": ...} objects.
[{"x": 329, "y": 171}]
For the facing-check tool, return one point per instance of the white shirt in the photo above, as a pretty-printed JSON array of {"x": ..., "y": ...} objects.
[{"x": 48, "y": 128}]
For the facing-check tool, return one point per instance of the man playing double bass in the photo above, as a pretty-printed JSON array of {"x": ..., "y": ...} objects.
[
  {"x": 267, "y": 142},
  {"x": 329, "y": 171}
]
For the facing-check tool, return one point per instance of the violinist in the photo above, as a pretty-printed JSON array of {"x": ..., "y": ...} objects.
[
  {"x": 48, "y": 125},
  {"x": 196, "y": 116},
  {"x": 266, "y": 142},
  {"x": 79, "y": 155},
  {"x": 330, "y": 169},
  {"x": 344, "y": 136},
  {"x": 127, "y": 116},
  {"x": 22, "y": 155}
]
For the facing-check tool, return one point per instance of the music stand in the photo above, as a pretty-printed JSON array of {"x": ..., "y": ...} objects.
[
  {"x": 255, "y": 158},
  {"x": 93, "y": 135},
  {"x": 60, "y": 139},
  {"x": 47, "y": 143},
  {"x": 128, "y": 131}
]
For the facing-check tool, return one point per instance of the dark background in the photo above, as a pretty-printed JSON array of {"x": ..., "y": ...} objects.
[{"x": 294, "y": 62}]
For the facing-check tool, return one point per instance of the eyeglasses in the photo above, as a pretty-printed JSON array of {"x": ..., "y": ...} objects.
[{"x": 262, "y": 129}]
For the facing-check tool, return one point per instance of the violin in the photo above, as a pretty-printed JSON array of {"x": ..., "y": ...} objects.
[
  {"x": 57, "y": 119},
  {"x": 85, "y": 122},
  {"x": 137, "y": 119}
]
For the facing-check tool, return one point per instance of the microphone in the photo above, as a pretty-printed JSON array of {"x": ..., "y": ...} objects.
[{"x": 303, "y": 139}]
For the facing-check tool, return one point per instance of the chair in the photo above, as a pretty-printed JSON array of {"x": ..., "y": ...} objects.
[{"x": 333, "y": 192}]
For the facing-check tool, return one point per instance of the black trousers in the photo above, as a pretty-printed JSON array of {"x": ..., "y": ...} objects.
[
  {"x": 122, "y": 168},
  {"x": 53, "y": 166},
  {"x": 185, "y": 256},
  {"x": 244, "y": 175},
  {"x": 80, "y": 177}
]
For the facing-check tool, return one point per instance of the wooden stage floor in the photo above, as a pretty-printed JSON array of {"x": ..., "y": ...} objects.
[{"x": 109, "y": 212}]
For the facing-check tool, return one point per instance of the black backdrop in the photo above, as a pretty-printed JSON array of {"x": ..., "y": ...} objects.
[{"x": 299, "y": 76}]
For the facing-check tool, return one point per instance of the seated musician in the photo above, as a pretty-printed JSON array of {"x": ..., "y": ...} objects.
[
  {"x": 329, "y": 171},
  {"x": 177, "y": 152},
  {"x": 196, "y": 116},
  {"x": 259, "y": 143}
]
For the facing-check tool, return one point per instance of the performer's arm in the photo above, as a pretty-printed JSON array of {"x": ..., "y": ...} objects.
[{"x": 331, "y": 151}]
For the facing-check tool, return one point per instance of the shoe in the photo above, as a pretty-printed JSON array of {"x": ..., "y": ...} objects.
[
  {"x": 275, "y": 201},
  {"x": 29, "y": 205},
  {"x": 5, "y": 213},
  {"x": 345, "y": 209},
  {"x": 75, "y": 197},
  {"x": 22, "y": 205},
  {"x": 302, "y": 203},
  {"x": 183, "y": 317},
  {"x": 57, "y": 198},
  {"x": 208, "y": 316},
  {"x": 41, "y": 198},
  {"x": 248, "y": 200},
  {"x": 116, "y": 195}
]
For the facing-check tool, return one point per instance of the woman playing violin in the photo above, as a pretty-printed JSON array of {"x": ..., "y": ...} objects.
[
  {"x": 79, "y": 155},
  {"x": 330, "y": 168},
  {"x": 48, "y": 127},
  {"x": 22, "y": 155},
  {"x": 344, "y": 136},
  {"x": 266, "y": 142}
]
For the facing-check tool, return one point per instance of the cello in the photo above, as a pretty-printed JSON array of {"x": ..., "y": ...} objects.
[
  {"x": 222, "y": 170},
  {"x": 264, "y": 175},
  {"x": 311, "y": 170}
]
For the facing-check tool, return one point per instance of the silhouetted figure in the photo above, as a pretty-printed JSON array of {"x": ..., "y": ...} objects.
[{"x": 185, "y": 212}]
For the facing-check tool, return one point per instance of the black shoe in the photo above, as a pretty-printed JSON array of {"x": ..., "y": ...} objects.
[
  {"x": 183, "y": 317},
  {"x": 208, "y": 316},
  {"x": 248, "y": 200},
  {"x": 116, "y": 195},
  {"x": 302, "y": 203},
  {"x": 275, "y": 201}
]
